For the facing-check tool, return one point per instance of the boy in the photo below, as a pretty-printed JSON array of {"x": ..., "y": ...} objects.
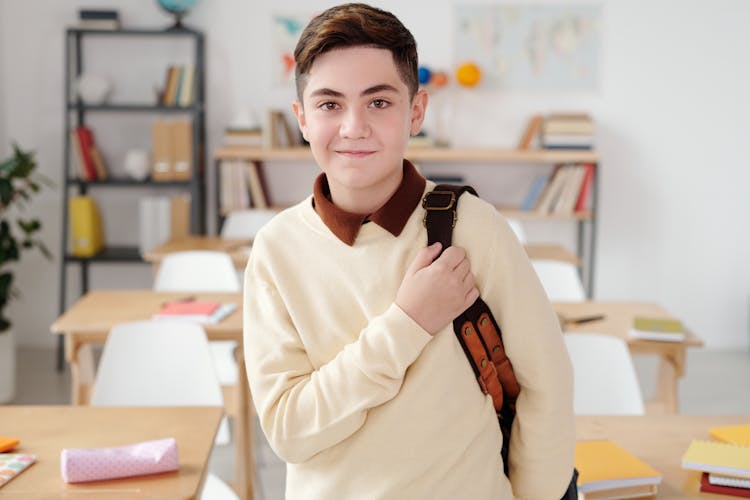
[{"x": 359, "y": 382}]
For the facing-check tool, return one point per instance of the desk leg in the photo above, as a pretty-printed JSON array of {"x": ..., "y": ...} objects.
[
  {"x": 81, "y": 359},
  {"x": 245, "y": 429},
  {"x": 671, "y": 367}
]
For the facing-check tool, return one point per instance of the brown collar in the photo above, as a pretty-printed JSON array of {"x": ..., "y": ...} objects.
[{"x": 392, "y": 216}]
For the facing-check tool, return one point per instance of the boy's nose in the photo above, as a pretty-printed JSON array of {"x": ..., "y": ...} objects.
[{"x": 354, "y": 125}]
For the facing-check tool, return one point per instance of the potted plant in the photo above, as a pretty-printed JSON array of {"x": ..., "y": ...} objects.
[{"x": 18, "y": 183}]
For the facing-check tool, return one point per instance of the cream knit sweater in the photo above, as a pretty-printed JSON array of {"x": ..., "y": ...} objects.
[{"x": 364, "y": 404}]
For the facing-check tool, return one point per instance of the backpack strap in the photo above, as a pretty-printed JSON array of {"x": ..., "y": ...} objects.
[{"x": 476, "y": 329}]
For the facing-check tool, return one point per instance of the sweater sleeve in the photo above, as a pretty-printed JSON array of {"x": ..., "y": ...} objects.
[
  {"x": 304, "y": 410},
  {"x": 543, "y": 436}
]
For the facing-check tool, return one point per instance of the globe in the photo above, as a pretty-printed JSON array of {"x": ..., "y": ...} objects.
[{"x": 178, "y": 8}]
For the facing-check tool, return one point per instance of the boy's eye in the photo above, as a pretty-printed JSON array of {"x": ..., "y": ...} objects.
[
  {"x": 379, "y": 103},
  {"x": 329, "y": 106}
]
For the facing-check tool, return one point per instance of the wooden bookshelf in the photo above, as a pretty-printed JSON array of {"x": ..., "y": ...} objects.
[
  {"x": 464, "y": 157},
  {"x": 468, "y": 155}
]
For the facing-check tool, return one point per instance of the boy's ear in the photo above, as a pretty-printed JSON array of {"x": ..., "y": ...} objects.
[
  {"x": 418, "y": 108},
  {"x": 299, "y": 113}
]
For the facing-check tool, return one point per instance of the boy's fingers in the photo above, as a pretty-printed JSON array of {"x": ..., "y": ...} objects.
[{"x": 424, "y": 258}]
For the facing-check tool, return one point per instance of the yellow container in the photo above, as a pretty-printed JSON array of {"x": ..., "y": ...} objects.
[{"x": 85, "y": 227}]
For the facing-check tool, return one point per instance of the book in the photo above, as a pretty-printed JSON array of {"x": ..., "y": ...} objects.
[
  {"x": 663, "y": 329},
  {"x": 707, "y": 486},
  {"x": 532, "y": 196},
  {"x": 85, "y": 140},
  {"x": 195, "y": 311},
  {"x": 531, "y": 132},
  {"x": 606, "y": 470},
  {"x": 182, "y": 150},
  {"x": 583, "y": 201},
  {"x": 736, "y": 434},
  {"x": 162, "y": 150},
  {"x": 719, "y": 458},
  {"x": 187, "y": 86},
  {"x": 12, "y": 464}
]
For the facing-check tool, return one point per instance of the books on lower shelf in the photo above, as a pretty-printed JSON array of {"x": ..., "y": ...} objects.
[
  {"x": 608, "y": 471},
  {"x": 196, "y": 311},
  {"x": 12, "y": 464},
  {"x": 242, "y": 186},
  {"x": 89, "y": 161},
  {"x": 567, "y": 190},
  {"x": 663, "y": 329},
  {"x": 714, "y": 457}
]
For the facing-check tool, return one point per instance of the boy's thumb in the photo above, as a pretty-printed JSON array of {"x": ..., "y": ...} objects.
[{"x": 424, "y": 257}]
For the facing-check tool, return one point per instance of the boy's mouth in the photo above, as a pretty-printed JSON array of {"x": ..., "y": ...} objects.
[{"x": 355, "y": 153}]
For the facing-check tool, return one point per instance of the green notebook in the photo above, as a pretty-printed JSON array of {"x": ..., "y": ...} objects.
[{"x": 664, "y": 329}]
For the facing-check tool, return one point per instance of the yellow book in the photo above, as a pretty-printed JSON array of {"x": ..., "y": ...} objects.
[
  {"x": 607, "y": 470},
  {"x": 718, "y": 458},
  {"x": 85, "y": 227},
  {"x": 735, "y": 434}
]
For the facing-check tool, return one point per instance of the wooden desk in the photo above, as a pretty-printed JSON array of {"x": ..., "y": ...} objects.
[
  {"x": 239, "y": 250},
  {"x": 89, "y": 321},
  {"x": 618, "y": 319},
  {"x": 660, "y": 440},
  {"x": 45, "y": 430}
]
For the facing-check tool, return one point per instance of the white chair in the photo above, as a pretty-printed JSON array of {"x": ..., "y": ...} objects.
[
  {"x": 560, "y": 280},
  {"x": 517, "y": 228},
  {"x": 604, "y": 378},
  {"x": 244, "y": 224},
  {"x": 203, "y": 271},
  {"x": 160, "y": 363}
]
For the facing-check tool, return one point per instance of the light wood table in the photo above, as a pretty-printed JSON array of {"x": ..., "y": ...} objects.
[
  {"x": 45, "y": 430},
  {"x": 660, "y": 441},
  {"x": 89, "y": 320},
  {"x": 618, "y": 319},
  {"x": 238, "y": 249}
]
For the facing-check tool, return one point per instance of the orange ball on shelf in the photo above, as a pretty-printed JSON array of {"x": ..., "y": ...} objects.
[
  {"x": 439, "y": 79},
  {"x": 468, "y": 74}
]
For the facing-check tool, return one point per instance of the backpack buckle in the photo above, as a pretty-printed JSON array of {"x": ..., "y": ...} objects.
[{"x": 427, "y": 203}]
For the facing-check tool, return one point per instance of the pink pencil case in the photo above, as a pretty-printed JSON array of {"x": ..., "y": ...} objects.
[{"x": 79, "y": 465}]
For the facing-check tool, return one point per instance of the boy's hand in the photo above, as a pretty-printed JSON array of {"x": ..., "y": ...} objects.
[{"x": 434, "y": 293}]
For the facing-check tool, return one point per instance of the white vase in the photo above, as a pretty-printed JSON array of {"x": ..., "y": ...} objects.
[{"x": 7, "y": 366}]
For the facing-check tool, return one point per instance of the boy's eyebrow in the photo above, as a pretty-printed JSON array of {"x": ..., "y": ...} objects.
[{"x": 383, "y": 87}]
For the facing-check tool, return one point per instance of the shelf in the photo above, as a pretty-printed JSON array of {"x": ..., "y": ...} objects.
[
  {"x": 111, "y": 254},
  {"x": 135, "y": 32},
  {"x": 148, "y": 108},
  {"x": 126, "y": 182},
  {"x": 514, "y": 213},
  {"x": 457, "y": 155}
]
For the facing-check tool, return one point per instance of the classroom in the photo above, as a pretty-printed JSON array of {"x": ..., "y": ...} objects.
[{"x": 144, "y": 144}]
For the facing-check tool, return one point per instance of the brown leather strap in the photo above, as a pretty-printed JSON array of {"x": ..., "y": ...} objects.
[{"x": 476, "y": 329}]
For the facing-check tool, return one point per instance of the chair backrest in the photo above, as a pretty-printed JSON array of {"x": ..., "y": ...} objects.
[
  {"x": 517, "y": 228},
  {"x": 560, "y": 280},
  {"x": 242, "y": 224},
  {"x": 605, "y": 381},
  {"x": 156, "y": 363},
  {"x": 197, "y": 271}
]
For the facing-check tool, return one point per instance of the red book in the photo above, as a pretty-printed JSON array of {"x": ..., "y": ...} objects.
[
  {"x": 189, "y": 307},
  {"x": 86, "y": 140},
  {"x": 723, "y": 490},
  {"x": 588, "y": 180}
]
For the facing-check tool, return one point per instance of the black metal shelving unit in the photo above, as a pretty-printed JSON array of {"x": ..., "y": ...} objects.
[{"x": 75, "y": 115}]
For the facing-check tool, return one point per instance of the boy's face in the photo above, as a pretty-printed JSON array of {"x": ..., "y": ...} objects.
[{"x": 357, "y": 116}]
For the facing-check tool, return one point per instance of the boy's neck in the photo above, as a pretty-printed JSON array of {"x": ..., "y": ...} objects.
[{"x": 365, "y": 201}]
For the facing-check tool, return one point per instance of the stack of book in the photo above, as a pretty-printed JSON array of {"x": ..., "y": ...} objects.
[
  {"x": 567, "y": 131},
  {"x": 98, "y": 19},
  {"x": 608, "y": 471},
  {"x": 565, "y": 191},
  {"x": 662, "y": 329},
  {"x": 179, "y": 86},
  {"x": 241, "y": 136},
  {"x": 724, "y": 463}
]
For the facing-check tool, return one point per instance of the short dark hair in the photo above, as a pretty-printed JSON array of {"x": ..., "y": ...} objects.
[{"x": 357, "y": 24}]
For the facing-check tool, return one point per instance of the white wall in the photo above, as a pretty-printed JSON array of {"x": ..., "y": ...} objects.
[{"x": 671, "y": 111}]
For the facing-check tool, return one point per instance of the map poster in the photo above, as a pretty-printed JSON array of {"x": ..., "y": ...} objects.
[{"x": 531, "y": 47}]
